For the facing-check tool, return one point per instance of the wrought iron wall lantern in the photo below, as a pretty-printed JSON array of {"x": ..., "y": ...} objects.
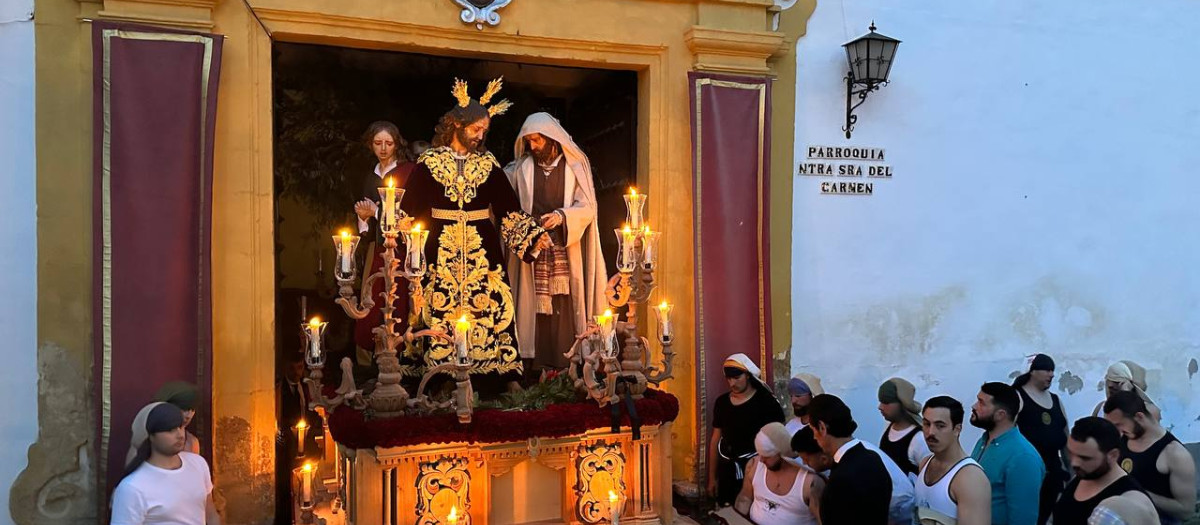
[{"x": 870, "y": 58}]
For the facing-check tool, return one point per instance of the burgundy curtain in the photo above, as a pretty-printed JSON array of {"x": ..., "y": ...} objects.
[
  {"x": 730, "y": 141},
  {"x": 155, "y": 101}
]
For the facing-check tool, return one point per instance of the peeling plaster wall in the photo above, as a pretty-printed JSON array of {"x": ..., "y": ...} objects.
[
  {"x": 18, "y": 255},
  {"x": 1044, "y": 199}
]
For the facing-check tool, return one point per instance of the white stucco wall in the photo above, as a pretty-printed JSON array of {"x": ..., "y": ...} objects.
[
  {"x": 1046, "y": 198},
  {"x": 18, "y": 256}
]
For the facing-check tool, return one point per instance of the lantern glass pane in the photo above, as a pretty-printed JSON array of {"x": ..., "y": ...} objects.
[
  {"x": 858, "y": 59},
  {"x": 889, "y": 55}
]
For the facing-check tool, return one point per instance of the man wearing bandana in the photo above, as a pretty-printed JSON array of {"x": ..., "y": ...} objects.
[
  {"x": 1043, "y": 422},
  {"x": 738, "y": 415},
  {"x": 801, "y": 388},
  {"x": 902, "y": 440}
]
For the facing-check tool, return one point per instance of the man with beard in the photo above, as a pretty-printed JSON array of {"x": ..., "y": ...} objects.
[
  {"x": 737, "y": 417},
  {"x": 455, "y": 191},
  {"x": 1095, "y": 447},
  {"x": 565, "y": 284},
  {"x": 951, "y": 488},
  {"x": 1154, "y": 457},
  {"x": 1044, "y": 423},
  {"x": 164, "y": 484},
  {"x": 902, "y": 440},
  {"x": 779, "y": 493},
  {"x": 802, "y": 387},
  {"x": 1012, "y": 465}
]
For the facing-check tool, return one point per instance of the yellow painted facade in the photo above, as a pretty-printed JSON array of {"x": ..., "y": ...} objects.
[{"x": 660, "y": 39}]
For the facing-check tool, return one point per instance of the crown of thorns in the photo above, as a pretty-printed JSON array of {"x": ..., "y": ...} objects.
[{"x": 464, "y": 99}]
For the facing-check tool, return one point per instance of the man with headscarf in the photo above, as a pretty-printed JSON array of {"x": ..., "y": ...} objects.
[
  {"x": 802, "y": 387},
  {"x": 163, "y": 483},
  {"x": 184, "y": 396},
  {"x": 557, "y": 291},
  {"x": 1043, "y": 421},
  {"x": 902, "y": 440},
  {"x": 778, "y": 492},
  {"x": 1127, "y": 376},
  {"x": 738, "y": 415}
]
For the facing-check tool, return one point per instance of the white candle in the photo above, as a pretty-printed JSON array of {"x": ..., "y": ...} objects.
[
  {"x": 414, "y": 250},
  {"x": 634, "y": 202},
  {"x": 301, "y": 429},
  {"x": 605, "y": 323},
  {"x": 647, "y": 245},
  {"x": 614, "y": 510},
  {"x": 627, "y": 246},
  {"x": 306, "y": 478},
  {"x": 462, "y": 329},
  {"x": 314, "y": 338},
  {"x": 344, "y": 255},
  {"x": 664, "y": 318},
  {"x": 389, "y": 205}
]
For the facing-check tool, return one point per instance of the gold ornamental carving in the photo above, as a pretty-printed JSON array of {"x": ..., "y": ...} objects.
[
  {"x": 601, "y": 469},
  {"x": 443, "y": 486}
]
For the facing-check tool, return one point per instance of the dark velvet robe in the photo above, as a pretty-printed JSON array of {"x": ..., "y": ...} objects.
[
  {"x": 370, "y": 256},
  {"x": 473, "y": 216}
]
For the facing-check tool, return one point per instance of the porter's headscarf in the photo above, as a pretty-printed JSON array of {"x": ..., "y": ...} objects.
[
  {"x": 179, "y": 393},
  {"x": 743, "y": 362},
  {"x": 152, "y": 419},
  {"x": 801, "y": 384},
  {"x": 1038, "y": 362},
  {"x": 774, "y": 440},
  {"x": 897, "y": 390},
  {"x": 1131, "y": 376}
]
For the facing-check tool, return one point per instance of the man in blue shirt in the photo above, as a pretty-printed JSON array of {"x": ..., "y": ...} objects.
[{"x": 1012, "y": 465}]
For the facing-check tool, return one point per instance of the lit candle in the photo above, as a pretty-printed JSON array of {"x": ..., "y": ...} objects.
[
  {"x": 627, "y": 249},
  {"x": 306, "y": 478},
  {"x": 414, "y": 238},
  {"x": 301, "y": 429},
  {"x": 314, "y": 339},
  {"x": 452, "y": 518},
  {"x": 634, "y": 202},
  {"x": 605, "y": 322},
  {"x": 648, "y": 238},
  {"x": 345, "y": 257},
  {"x": 389, "y": 205},
  {"x": 664, "y": 319},
  {"x": 462, "y": 329},
  {"x": 614, "y": 510}
]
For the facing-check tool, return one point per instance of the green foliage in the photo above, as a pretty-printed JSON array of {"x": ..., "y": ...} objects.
[
  {"x": 313, "y": 145},
  {"x": 557, "y": 389}
]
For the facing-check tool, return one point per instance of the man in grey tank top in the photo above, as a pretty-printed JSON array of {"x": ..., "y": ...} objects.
[{"x": 951, "y": 488}]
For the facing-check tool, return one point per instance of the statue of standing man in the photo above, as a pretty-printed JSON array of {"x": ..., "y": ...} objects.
[{"x": 565, "y": 284}]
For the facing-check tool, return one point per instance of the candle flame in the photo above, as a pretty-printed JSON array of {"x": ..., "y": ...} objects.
[
  {"x": 663, "y": 306},
  {"x": 608, "y": 313},
  {"x": 633, "y": 191},
  {"x": 612, "y": 496},
  {"x": 453, "y": 513},
  {"x": 416, "y": 227},
  {"x": 302, "y": 425},
  {"x": 314, "y": 322},
  {"x": 646, "y": 230},
  {"x": 391, "y": 183},
  {"x": 627, "y": 229},
  {"x": 308, "y": 467},
  {"x": 345, "y": 234}
]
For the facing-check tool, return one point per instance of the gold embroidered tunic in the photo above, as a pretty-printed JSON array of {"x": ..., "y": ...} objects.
[{"x": 473, "y": 215}]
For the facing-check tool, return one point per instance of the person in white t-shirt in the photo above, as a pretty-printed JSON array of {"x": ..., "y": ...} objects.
[{"x": 163, "y": 484}]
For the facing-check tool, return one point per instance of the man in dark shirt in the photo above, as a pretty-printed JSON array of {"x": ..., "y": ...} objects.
[
  {"x": 859, "y": 490},
  {"x": 738, "y": 415},
  {"x": 1095, "y": 446},
  {"x": 1154, "y": 457}
]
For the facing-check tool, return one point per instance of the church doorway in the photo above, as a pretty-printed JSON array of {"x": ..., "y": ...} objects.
[{"x": 324, "y": 98}]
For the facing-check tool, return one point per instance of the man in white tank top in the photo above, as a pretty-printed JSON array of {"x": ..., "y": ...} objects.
[
  {"x": 778, "y": 492},
  {"x": 951, "y": 488}
]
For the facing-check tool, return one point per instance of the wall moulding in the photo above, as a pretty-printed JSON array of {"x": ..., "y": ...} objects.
[{"x": 729, "y": 51}]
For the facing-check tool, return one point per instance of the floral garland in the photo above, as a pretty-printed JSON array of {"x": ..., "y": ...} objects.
[{"x": 350, "y": 429}]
